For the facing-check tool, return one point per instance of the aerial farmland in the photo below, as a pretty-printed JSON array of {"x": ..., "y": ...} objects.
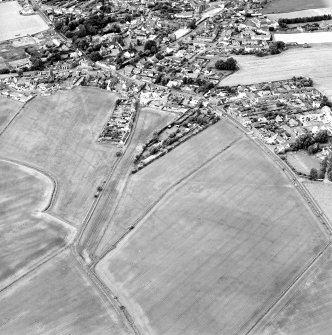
[{"x": 166, "y": 167}]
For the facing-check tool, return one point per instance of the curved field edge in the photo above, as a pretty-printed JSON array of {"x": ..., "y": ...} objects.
[
  {"x": 58, "y": 134},
  {"x": 58, "y": 298},
  {"x": 29, "y": 236},
  {"x": 135, "y": 270}
]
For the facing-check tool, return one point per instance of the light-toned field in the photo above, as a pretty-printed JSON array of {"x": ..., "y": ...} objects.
[
  {"x": 308, "y": 309},
  {"x": 301, "y": 13},
  {"x": 13, "y": 24},
  {"x": 146, "y": 186},
  {"x": 322, "y": 193},
  {"x": 26, "y": 234},
  {"x": 303, "y": 162},
  {"x": 58, "y": 134},
  {"x": 284, "y": 6},
  {"x": 57, "y": 299},
  {"x": 8, "y": 108},
  {"x": 313, "y": 62},
  {"x": 148, "y": 121},
  {"x": 301, "y": 38},
  {"x": 217, "y": 249}
]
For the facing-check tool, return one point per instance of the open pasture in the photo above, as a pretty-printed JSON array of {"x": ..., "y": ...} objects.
[
  {"x": 8, "y": 108},
  {"x": 307, "y": 309},
  {"x": 302, "y": 161},
  {"x": 13, "y": 25},
  {"x": 284, "y": 6},
  {"x": 58, "y": 134},
  {"x": 313, "y": 62},
  {"x": 147, "y": 185},
  {"x": 217, "y": 249},
  {"x": 26, "y": 234},
  {"x": 58, "y": 299},
  {"x": 301, "y": 13}
]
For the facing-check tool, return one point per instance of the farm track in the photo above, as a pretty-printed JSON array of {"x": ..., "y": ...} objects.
[
  {"x": 162, "y": 196},
  {"x": 88, "y": 236}
]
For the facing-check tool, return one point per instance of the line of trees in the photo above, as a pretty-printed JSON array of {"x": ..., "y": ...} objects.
[{"x": 283, "y": 22}]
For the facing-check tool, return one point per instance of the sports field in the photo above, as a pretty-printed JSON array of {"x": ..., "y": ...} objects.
[
  {"x": 58, "y": 299},
  {"x": 26, "y": 234},
  {"x": 308, "y": 309},
  {"x": 13, "y": 25},
  {"x": 145, "y": 187},
  {"x": 284, "y": 6},
  {"x": 8, "y": 108},
  {"x": 313, "y": 62},
  {"x": 58, "y": 134},
  {"x": 217, "y": 249}
]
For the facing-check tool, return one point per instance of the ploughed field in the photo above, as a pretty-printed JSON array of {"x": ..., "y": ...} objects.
[
  {"x": 58, "y": 134},
  {"x": 58, "y": 299},
  {"x": 218, "y": 248},
  {"x": 27, "y": 235},
  {"x": 313, "y": 62}
]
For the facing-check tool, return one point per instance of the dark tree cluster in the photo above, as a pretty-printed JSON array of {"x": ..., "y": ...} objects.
[{"x": 229, "y": 64}]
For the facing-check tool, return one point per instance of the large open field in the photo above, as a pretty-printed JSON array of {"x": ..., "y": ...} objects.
[
  {"x": 313, "y": 62},
  {"x": 58, "y": 299},
  {"x": 26, "y": 234},
  {"x": 58, "y": 134},
  {"x": 8, "y": 109},
  {"x": 217, "y": 249},
  {"x": 145, "y": 187},
  {"x": 308, "y": 309},
  {"x": 13, "y": 24},
  {"x": 284, "y": 6}
]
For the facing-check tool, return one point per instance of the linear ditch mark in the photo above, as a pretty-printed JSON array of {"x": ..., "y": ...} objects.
[{"x": 160, "y": 198}]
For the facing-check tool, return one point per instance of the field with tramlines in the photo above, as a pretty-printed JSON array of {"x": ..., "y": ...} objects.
[{"x": 217, "y": 248}]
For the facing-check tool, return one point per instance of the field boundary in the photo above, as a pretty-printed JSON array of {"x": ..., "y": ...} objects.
[{"x": 161, "y": 197}]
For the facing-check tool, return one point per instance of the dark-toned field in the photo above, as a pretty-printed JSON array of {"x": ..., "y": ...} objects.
[
  {"x": 217, "y": 249},
  {"x": 58, "y": 134}
]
